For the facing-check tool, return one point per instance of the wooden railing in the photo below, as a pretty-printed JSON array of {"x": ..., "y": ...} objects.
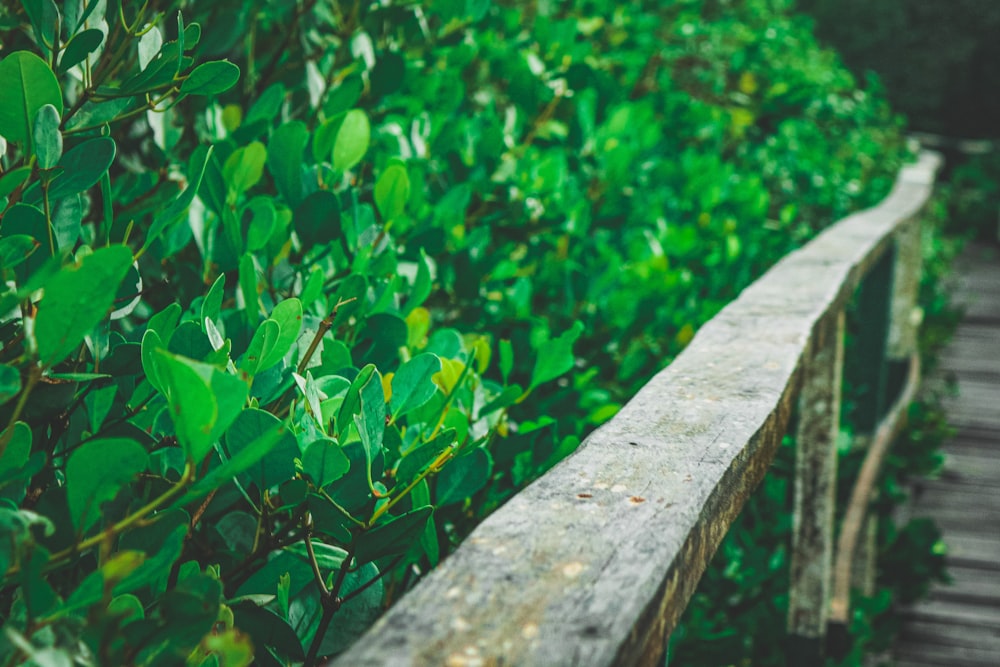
[{"x": 594, "y": 563}]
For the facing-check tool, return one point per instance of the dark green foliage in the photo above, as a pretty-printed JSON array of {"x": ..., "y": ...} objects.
[{"x": 295, "y": 293}]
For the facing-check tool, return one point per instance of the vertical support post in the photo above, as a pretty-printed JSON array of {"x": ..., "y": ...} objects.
[
  {"x": 815, "y": 485},
  {"x": 872, "y": 377},
  {"x": 904, "y": 316}
]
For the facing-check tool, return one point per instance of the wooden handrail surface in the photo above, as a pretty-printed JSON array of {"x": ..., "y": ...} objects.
[{"x": 594, "y": 562}]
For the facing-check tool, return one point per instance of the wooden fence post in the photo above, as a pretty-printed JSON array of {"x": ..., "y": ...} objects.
[{"x": 815, "y": 485}]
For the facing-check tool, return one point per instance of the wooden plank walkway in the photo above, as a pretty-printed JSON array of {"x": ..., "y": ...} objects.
[{"x": 959, "y": 624}]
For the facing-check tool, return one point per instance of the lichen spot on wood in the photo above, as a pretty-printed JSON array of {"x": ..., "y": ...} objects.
[
  {"x": 573, "y": 570},
  {"x": 529, "y": 630},
  {"x": 637, "y": 500}
]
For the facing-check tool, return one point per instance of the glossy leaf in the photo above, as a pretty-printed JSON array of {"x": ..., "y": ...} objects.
[
  {"x": 90, "y": 481},
  {"x": 324, "y": 462},
  {"x": 76, "y": 299},
  {"x": 28, "y": 85},
  {"x": 203, "y": 400},
  {"x": 413, "y": 384},
  {"x": 392, "y": 190},
  {"x": 352, "y": 140},
  {"x": 48, "y": 139},
  {"x": 211, "y": 78}
]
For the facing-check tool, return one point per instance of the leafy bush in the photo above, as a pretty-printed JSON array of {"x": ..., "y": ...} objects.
[{"x": 294, "y": 293}]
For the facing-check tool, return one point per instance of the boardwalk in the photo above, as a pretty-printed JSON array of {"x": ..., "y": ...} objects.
[{"x": 959, "y": 625}]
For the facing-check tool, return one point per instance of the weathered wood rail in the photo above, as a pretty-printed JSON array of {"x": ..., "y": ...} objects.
[{"x": 594, "y": 563}]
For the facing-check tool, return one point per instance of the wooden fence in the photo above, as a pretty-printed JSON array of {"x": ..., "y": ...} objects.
[{"x": 594, "y": 563}]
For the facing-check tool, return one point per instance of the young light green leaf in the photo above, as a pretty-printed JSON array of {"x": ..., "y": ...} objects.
[
  {"x": 48, "y": 139},
  {"x": 211, "y": 78},
  {"x": 262, "y": 343},
  {"x": 245, "y": 167},
  {"x": 288, "y": 316},
  {"x": 91, "y": 481},
  {"x": 554, "y": 357},
  {"x": 392, "y": 190},
  {"x": 76, "y": 299},
  {"x": 28, "y": 85},
  {"x": 413, "y": 384},
  {"x": 203, "y": 400},
  {"x": 352, "y": 140}
]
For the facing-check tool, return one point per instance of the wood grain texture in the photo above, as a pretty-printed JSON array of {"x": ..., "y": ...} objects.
[{"x": 593, "y": 563}]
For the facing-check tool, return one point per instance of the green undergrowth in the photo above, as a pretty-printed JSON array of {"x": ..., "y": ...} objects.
[{"x": 296, "y": 292}]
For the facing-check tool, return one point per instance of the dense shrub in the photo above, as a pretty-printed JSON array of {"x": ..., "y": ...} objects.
[{"x": 295, "y": 292}]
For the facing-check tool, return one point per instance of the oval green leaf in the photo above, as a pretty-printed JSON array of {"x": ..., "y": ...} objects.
[
  {"x": 211, "y": 78},
  {"x": 28, "y": 85},
  {"x": 352, "y": 140},
  {"x": 76, "y": 299},
  {"x": 90, "y": 481},
  {"x": 48, "y": 139}
]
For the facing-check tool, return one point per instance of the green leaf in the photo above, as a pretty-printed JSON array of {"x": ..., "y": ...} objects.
[
  {"x": 278, "y": 463},
  {"x": 371, "y": 420},
  {"x": 392, "y": 190},
  {"x": 267, "y": 629},
  {"x": 83, "y": 165},
  {"x": 327, "y": 556},
  {"x": 13, "y": 179},
  {"x": 203, "y": 400},
  {"x": 18, "y": 450},
  {"x": 10, "y": 383},
  {"x": 79, "y": 47},
  {"x": 262, "y": 223},
  {"x": 211, "y": 306},
  {"x": 413, "y": 384},
  {"x": 211, "y": 78},
  {"x": 245, "y": 167},
  {"x": 324, "y": 462},
  {"x": 28, "y": 85},
  {"x": 179, "y": 206},
  {"x": 246, "y": 458},
  {"x": 288, "y": 316},
  {"x": 392, "y": 537},
  {"x": 262, "y": 342},
  {"x": 422, "y": 284},
  {"x": 76, "y": 299},
  {"x": 352, "y": 140},
  {"x": 91, "y": 481},
  {"x": 417, "y": 460},
  {"x": 554, "y": 357},
  {"x": 149, "y": 46},
  {"x": 248, "y": 287},
  {"x": 317, "y": 219},
  {"x": 463, "y": 476},
  {"x": 15, "y": 249},
  {"x": 284, "y": 159},
  {"x": 48, "y": 139}
]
